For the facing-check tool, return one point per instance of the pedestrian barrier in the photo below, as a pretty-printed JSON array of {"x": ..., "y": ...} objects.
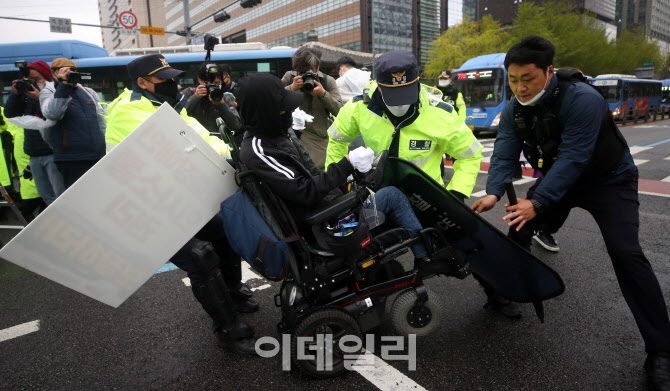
[{"x": 653, "y": 114}]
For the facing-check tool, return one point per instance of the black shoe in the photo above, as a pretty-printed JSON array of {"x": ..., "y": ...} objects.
[
  {"x": 247, "y": 306},
  {"x": 510, "y": 309},
  {"x": 547, "y": 241},
  {"x": 241, "y": 292},
  {"x": 658, "y": 371},
  {"x": 245, "y": 345}
]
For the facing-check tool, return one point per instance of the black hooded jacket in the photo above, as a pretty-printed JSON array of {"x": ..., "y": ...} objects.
[{"x": 275, "y": 154}]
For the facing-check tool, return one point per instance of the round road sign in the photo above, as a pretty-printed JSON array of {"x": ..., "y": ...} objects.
[{"x": 128, "y": 19}]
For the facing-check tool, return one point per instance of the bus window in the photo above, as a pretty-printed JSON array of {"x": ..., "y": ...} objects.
[{"x": 625, "y": 92}]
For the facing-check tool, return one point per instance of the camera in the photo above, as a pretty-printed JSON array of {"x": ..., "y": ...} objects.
[
  {"x": 308, "y": 79},
  {"x": 26, "y": 83},
  {"x": 77, "y": 77},
  {"x": 213, "y": 89}
]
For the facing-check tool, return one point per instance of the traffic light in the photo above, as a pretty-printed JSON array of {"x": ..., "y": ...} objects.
[
  {"x": 249, "y": 3},
  {"x": 221, "y": 17}
]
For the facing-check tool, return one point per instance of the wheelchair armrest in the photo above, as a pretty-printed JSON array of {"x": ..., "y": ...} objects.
[{"x": 334, "y": 208}]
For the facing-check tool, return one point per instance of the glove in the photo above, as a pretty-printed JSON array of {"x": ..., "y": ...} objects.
[
  {"x": 27, "y": 174},
  {"x": 361, "y": 158},
  {"x": 299, "y": 119}
]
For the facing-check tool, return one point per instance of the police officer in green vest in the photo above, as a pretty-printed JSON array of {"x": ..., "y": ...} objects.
[
  {"x": 397, "y": 104},
  {"x": 451, "y": 94}
]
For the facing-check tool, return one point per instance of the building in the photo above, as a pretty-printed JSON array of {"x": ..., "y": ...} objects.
[
  {"x": 148, "y": 13},
  {"x": 653, "y": 15},
  {"x": 373, "y": 26}
]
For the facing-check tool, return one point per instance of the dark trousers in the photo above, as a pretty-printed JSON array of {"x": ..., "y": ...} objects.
[
  {"x": 73, "y": 170},
  {"x": 229, "y": 260},
  {"x": 615, "y": 209}
]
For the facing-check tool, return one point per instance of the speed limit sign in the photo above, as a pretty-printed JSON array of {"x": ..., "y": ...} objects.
[{"x": 128, "y": 19}]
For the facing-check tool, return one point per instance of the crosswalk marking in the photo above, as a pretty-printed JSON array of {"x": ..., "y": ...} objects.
[
  {"x": 383, "y": 375},
  {"x": 639, "y": 161},
  {"x": 636, "y": 149},
  {"x": 666, "y": 179},
  {"x": 20, "y": 330}
]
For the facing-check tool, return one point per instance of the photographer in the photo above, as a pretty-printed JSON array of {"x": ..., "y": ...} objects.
[
  {"x": 78, "y": 138},
  {"x": 210, "y": 101},
  {"x": 321, "y": 99},
  {"x": 25, "y": 101}
]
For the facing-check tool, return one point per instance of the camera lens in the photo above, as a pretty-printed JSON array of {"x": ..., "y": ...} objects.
[
  {"x": 216, "y": 94},
  {"x": 308, "y": 86}
]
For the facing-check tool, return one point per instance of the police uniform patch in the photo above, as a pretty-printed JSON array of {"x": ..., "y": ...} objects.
[{"x": 420, "y": 145}]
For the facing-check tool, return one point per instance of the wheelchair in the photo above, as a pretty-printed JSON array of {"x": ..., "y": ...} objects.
[{"x": 338, "y": 285}]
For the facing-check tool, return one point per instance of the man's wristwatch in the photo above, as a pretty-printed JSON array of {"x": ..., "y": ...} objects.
[{"x": 539, "y": 208}]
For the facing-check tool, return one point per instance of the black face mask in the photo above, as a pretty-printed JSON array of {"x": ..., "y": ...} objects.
[{"x": 168, "y": 89}]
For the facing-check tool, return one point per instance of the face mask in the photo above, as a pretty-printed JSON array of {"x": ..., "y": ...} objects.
[
  {"x": 40, "y": 86},
  {"x": 398, "y": 111},
  {"x": 167, "y": 88},
  {"x": 444, "y": 82},
  {"x": 537, "y": 97}
]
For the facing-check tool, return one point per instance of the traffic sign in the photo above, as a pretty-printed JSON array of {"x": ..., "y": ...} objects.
[
  {"x": 60, "y": 25},
  {"x": 128, "y": 19},
  {"x": 648, "y": 64},
  {"x": 152, "y": 30}
]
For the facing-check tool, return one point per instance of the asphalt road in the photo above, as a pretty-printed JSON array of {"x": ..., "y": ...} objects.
[{"x": 160, "y": 338}]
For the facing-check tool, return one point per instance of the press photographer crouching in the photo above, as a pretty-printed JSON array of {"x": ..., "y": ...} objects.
[
  {"x": 211, "y": 102},
  {"x": 321, "y": 99}
]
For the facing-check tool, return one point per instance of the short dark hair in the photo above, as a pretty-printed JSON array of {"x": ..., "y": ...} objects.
[
  {"x": 225, "y": 68},
  {"x": 305, "y": 59},
  {"x": 531, "y": 50},
  {"x": 346, "y": 60},
  {"x": 202, "y": 72}
]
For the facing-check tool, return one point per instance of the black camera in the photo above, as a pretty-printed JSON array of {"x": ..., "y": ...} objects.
[
  {"x": 77, "y": 77},
  {"x": 26, "y": 83},
  {"x": 213, "y": 89},
  {"x": 308, "y": 79}
]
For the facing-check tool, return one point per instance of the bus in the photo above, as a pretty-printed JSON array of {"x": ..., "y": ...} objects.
[
  {"x": 628, "y": 96},
  {"x": 109, "y": 75},
  {"x": 665, "y": 94},
  {"x": 483, "y": 82},
  {"x": 49, "y": 51}
]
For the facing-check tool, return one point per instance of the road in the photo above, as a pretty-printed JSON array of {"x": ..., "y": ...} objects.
[{"x": 160, "y": 338}]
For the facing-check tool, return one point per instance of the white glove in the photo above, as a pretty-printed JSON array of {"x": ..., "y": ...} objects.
[
  {"x": 361, "y": 158},
  {"x": 299, "y": 119}
]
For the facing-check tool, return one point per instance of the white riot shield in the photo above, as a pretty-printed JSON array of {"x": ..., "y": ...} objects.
[{"x": 120, "y": 222}]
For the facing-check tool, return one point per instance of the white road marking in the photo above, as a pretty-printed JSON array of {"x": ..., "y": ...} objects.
[
  {"x": 247, "y": 274},
  {"x": 487, "y": 149},
  {"x": 634, "y": 150},
  {"x": 20, "y": 330},
  {"x": 384, "y": 376},
  {"x": 524, "y": 180},
  {"x": 666, "y": 179},
  {"x": 639, "y": 161},
  {"x": 478, "y": 194},
  {"x": 667, "y": 158},
  {"x": 260, "y": 288},
  {"x": 654, "y": 194},
  {"x": 187, "y": 281}
]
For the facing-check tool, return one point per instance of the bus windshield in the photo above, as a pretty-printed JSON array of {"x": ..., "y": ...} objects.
[
  {"x": 611, "y": 89},
  {"x": 481, "y": 88}
]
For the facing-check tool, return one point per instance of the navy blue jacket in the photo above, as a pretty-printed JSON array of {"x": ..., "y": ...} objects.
[
  {"x": 20, "y": 105},
  {"x": 581, "y": 113},
  {"x": 77, "y": 135}
]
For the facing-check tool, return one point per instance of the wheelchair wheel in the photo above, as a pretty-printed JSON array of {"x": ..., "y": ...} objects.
[
  {"x": 407, "y": 318},
  {"x": 326, "y": 361}
]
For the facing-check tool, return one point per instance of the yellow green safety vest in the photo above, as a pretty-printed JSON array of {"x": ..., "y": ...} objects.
[
  {"x": 5, "y": 179},
  {"x": 424, "y": 138},
  {"x": 127, "y": 111}
]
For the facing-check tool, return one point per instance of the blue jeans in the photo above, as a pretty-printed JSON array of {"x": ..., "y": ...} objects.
[
  {"x": 395, "y": 205},
  {"x": 47, "y": 177}
]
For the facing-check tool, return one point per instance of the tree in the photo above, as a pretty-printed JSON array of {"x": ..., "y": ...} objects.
[
  {"x": 632, "y": 49},
  {"x": 462, "y": 42}
]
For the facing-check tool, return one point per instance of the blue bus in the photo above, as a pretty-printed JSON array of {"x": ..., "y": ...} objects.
[
  {"x": 110, "y": 76},
  {"x": 48, "y": 51},
  {"x": 665, "y": 94},
  {"x": 627, "y": 96},
  {"x": 483, "y": 82}
]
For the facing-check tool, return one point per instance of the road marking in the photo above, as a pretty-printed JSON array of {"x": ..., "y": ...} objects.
[
  {"x": 478, "y": 194},
  {"x": 260, "y": 288},
  {"x": 524, "y": 180},
  {"x": 639, "y": 161},
  {"x": 667, "y": 179},
  {"x": 167, "y": 267},
  {"x": 20, "y": 330},
  {"x": 667, "y": 158},
  {"x": 187, "y": 281},
  {"x": 658, "y": 143},
  {"x": 383, "y": 375},
  {"x": 636, "y": 149},
  {"x": 654, "y": 194}
]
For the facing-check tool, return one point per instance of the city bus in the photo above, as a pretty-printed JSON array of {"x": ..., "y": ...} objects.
[
  {"x": 109, "y": 75},
  {"x": 628, "y": 96},
  {"x": 48, "y": 50},
  {"x": 483, "y": 82},
  {"x": 665, "y": 94}
]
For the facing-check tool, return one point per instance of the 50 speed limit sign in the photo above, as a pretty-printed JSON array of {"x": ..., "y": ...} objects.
[{"x": 128, "y": 19}]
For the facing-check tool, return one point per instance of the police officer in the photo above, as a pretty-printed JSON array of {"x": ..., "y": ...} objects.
[
  {"x": 586, "y": 163},
  {"x": 209, "y": 261},
  {"x": 450, "y": 94},
  {"x": 397, "y": 104}
]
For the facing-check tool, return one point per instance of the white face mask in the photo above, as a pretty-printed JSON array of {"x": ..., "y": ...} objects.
[
  {"x": 537, "y": 97},
  {"x": 444, "y": 82},
  {"x": 398, "y": 111},
  {"x": 40, "y": 86}
]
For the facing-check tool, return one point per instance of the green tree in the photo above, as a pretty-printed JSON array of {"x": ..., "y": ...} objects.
[
  {"x": 460, "y": 43},
  {"x": 632, "y": 49}
]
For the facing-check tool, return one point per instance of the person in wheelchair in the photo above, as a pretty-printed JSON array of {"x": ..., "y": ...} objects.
[{"x": 272, "y": 152}]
